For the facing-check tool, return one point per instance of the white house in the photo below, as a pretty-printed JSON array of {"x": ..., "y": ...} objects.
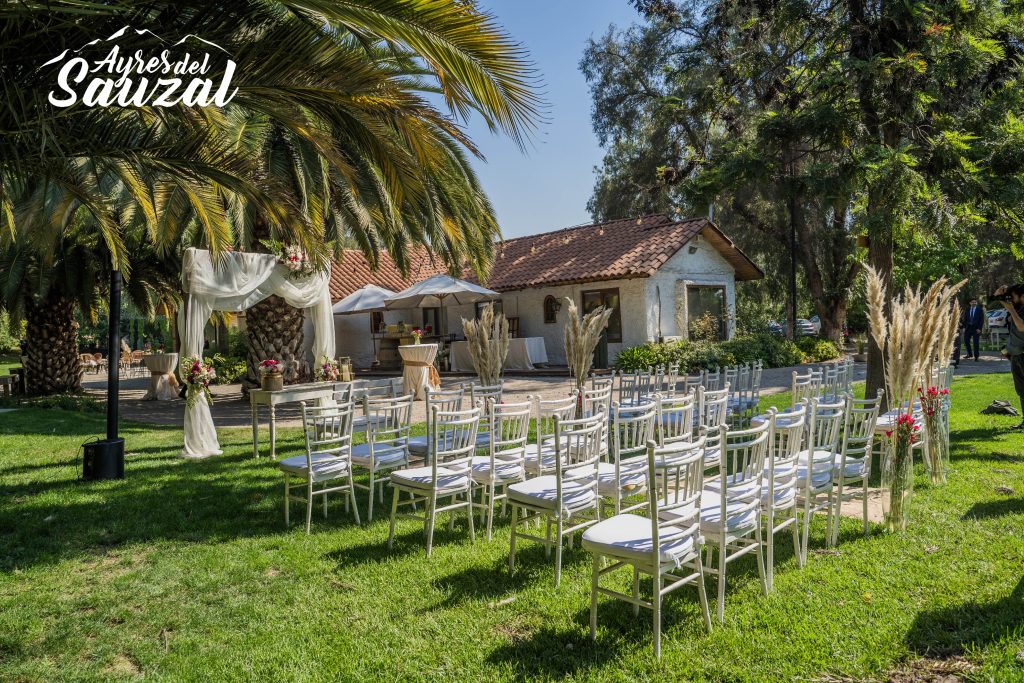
[{"x": 655, "y": 272}]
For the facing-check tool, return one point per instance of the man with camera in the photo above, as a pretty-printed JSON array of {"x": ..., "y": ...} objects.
[{"x": 1012, "y": 299}]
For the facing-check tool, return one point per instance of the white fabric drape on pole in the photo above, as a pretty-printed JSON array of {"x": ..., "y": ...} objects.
[{"x": 234, "y": 282}]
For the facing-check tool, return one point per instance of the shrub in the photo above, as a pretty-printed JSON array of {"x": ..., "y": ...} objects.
[
  {"x": 228, "y": 368},
  {"x": 696, "y": 355},
  {"x": 80, "y": 403},
  {"x": 817, "y": 350}
]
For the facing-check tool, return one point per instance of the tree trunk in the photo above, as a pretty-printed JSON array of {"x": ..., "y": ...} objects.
[
  {"x": 52, "y": 364},
  {"x": 274, "y": 330}
]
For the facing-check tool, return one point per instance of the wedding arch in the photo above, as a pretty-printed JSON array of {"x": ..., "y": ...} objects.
[{"x": 234, "y": 281}]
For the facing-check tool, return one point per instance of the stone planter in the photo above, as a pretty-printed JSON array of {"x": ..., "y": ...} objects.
[{"x": 272, "y": 381}]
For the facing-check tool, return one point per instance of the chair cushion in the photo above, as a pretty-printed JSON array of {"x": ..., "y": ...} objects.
[
  {"x": 785, "y": 496},
  {"x": 383, "y": 454},
  {"x": 712, "y": 456},
  {"x": 736, "y": 522},
  {"x": 542, "y": 492},
  {"x": 630, "y": 537},
  {"x": 631, "y": 479},
  {"x": 423, "y": 478},
  {"x": 819, "y": 479},
  {"x": 503, "y": 471},
  {"x": 854, "y": 467},
  {"x": 418, "y": 445},
  {"x": 325, "y": 466}
]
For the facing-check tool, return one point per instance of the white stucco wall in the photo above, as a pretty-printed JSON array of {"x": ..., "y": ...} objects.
[{"x": 705, "y": 267}]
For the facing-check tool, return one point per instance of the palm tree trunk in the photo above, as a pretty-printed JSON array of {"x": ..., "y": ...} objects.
[
  {"x": 274, "y": 330},
  {"x": 52, "y": 364}
]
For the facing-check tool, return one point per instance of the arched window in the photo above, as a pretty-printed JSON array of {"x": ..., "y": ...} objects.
[{"x": 551, "y": 309}]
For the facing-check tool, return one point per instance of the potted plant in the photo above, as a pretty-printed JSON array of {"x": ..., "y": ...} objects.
[
  {"x": 271, "y": 377},
  {"x": 861, "y": 345}
]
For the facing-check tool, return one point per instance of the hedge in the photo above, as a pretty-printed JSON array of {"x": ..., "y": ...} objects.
[{"x": 772, "y": 351}]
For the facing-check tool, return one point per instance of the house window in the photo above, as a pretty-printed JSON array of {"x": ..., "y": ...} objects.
[
  {"x": 431, "y": 318},
  {"x": 609, "y": 298},
  {"x": 376, "y": 321},
  {"x": 550, "y": 309},
  {"x": 480, "y": 307},
  {"x": 705, "y": 307}
]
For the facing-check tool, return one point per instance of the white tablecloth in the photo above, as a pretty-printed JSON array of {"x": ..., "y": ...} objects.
[
  {"x": 523, "y": 354},
  {"x": 417, "y": 377},
  {"x": 163, "y": 385}
]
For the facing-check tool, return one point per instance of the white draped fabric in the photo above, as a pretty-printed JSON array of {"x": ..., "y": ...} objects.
[{"x": 233, "y": 282}]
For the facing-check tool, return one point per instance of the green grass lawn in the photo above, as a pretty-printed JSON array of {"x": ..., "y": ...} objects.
[{"x": 184, "y": 570}]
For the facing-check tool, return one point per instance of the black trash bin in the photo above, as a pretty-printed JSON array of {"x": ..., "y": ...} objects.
[{"x": 103, "y": 459}]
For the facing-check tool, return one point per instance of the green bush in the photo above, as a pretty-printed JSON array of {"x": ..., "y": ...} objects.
[
  {"x": 816, "y": 350},
  {"x": 10, "y": 334},
  {"x": 228, "y": 368},
  {"x": 80, "y": 403},
  {"x": 773, "y": 351}
]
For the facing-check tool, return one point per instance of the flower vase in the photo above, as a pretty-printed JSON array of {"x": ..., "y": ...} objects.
[
  {"x": 272, "y": 381},
  {"x": 897, "y": 484},
  {"x": 936, "y": 449},
  {"x": 416, "y": 339}
]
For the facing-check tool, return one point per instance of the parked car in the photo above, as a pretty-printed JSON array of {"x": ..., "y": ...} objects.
[
  {"x": 816, "y": 321},
  {"x": 776, "y": 328},
  {"x": 805, "y": 328},
  {"x": 998, "y": 317}
]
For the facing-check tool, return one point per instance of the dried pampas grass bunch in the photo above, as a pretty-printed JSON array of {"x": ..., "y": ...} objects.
[
  {"x": 581, "y": 337},
  {"x": 916, "y": 334},
  {"x": 488, "y": 344}
]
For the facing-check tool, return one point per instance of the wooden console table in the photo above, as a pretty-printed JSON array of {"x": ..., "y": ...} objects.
[{"x": 315, "y": 391}]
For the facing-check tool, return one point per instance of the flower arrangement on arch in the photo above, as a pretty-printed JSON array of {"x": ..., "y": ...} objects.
[
  {"x": 197, "y": 375},
  {"x": 326, "y": 370},
  {"x": 271, "y": 365},
  {"x": 293, "y": 257}
]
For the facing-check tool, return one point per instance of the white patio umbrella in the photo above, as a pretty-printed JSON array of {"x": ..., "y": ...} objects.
[
  {"x": 437, "y": 291},
  {"x": 366, "y": 299}
]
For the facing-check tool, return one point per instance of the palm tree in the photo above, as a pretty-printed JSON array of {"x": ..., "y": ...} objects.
[{"x": 331, "y": 136}]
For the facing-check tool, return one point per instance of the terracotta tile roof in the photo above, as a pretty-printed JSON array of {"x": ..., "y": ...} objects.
[
  {"x": 352, "y": 271},
  {"x": 615, "y": 250}
]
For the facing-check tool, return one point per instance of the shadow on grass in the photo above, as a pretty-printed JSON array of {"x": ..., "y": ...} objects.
[
  {"x": 950, "y": 631},
  {"x": 1013, "y": 505},
  {"x": 554, "y": 653}
]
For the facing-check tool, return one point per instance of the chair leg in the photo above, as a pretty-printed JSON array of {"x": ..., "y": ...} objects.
[
  {"x": 865, "y": 495},
  {"x": 770, "y": 543},
  {"x": 807, "y": 531},
  {"x": 490, "y": 512},
  {"x": 558, "y": 551},
  {"x": 796, "y": 537},
  {"x": 547, "y": 540},
  {"x": 636, "y": 590},
  {"x": 369, "y": 510},
  {"x": 829, "y": 518},
  {"x": 309, "y": 506},
  {"x": 703, "y": 593},
  {"x": 352, "y": 497},
  {"x": 656, "y": 604},
  {"x": 394, "y": 511},
  {"x": 431, "y": 505},
  {"x": 595, "y": 577},
  {"x": 512, "y": 542},
  {"x": 721, "y": 580},
  {"x": 325, "y": 505},
  {"x": 287, "y": 498},
  {"x": 760, "y": 560},
  {"x": 469, "y": 515},
  {"x": 839, "y": 507}
]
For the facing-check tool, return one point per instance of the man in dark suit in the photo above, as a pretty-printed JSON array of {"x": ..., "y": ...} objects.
[{"x": 972, "y": 322}]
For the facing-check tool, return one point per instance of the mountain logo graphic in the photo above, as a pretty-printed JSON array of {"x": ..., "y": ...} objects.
[{"x": 175, "y": 74}]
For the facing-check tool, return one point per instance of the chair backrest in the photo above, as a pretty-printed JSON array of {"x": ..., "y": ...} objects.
[
  {"x": 388, "y": 419},
  {"x": 328, "y": 430},
  {"x": 509, "y": 425},
  {"x": 825, "y": 424},
  {"x": 713, "y": 379},
  {"x": 677, "y": 479},
  {"x": 374, "y": 389},
  {"x": 666, "y": 380},
  {"x": 730, "y": 375},
  {"x": 577, "y": 447},
  {"x": 597, "y": 401},
  {"x": 789, "y": 434},
  {"x": 831, "y": 383},
  {"x": 446, "y": 400},
  {"x": 744, "y": 453},
  {"x": 602, "y": 382},
  {"x": 481, "y": 393},
  {"x": 632, "y": 428},
  {"x": 805, "y": 386},
  {"x": 545, "y": 412},
  {"x": 342, "y": 392},
  {"x": 693, "y": 382},
  {"x": 860, "y": 418},
  {"x": 713, "y": 407},
  {"x": 86, "y": 358},
  {"x": 453, "y": 439},
  {"x": 634, "y": 387},
  {"x": 675, "y": 418}
]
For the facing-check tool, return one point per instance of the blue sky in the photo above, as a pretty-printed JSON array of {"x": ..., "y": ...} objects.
[{"x": 547, "y": 187}]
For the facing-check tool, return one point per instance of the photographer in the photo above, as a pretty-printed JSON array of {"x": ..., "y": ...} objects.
[{"x": 1012, "y": 299}]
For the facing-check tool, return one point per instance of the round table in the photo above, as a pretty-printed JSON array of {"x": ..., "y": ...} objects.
[
  {"x": 163, "y": 385},
  {"x": 418, "y": 370}
]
